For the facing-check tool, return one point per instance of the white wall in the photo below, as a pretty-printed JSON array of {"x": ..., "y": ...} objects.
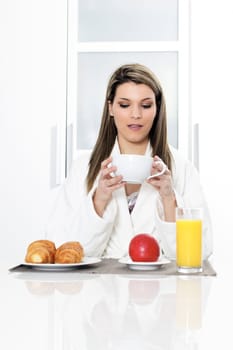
[
  {"x": 32, "y": 101},
  {"x": 212, "y": 107}
]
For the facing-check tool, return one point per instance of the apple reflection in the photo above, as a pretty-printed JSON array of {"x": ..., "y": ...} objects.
[{"x": 143, "y": 291}]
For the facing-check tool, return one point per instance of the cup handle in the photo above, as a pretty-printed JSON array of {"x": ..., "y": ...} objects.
[{"x": 161, "y": 172}]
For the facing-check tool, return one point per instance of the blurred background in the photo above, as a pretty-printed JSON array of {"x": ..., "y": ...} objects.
[{"x": 55, "y": 60}]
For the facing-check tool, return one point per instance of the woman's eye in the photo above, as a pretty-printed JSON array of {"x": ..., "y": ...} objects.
[
  {"x": 146, "y": 106},
  {"x": 126, "y": 105}
]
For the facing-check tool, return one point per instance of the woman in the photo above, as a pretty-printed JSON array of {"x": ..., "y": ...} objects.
[{"x": 102, "y": 211}]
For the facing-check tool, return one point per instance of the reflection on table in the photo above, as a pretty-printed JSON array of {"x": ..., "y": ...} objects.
[{"x": 120, "y": 312}]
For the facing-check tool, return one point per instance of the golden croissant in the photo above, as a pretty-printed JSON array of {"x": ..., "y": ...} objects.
[
  {"x": 41, "y": 252},
  {"x": 69, "y": 253}
]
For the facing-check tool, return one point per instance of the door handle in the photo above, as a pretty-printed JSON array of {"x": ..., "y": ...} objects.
[{"x": 57, "y": 156}]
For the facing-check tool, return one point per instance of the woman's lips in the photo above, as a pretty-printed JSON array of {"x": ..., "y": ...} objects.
[{"x": 134, "y": 126}]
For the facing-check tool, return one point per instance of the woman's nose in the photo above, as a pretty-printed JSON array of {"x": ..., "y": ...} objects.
[{"x": 136, "y": 113}]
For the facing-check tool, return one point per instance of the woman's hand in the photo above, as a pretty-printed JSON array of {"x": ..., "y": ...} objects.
[
  {"x": 163, "y": 184},
  {"x": 107, "y": 184}
]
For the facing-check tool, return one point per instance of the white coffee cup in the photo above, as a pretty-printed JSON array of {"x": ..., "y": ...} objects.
[{"x": 135, "y": 168}]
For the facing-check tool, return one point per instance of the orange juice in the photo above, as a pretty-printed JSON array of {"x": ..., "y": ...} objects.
[{"x": 189, "y": 242}]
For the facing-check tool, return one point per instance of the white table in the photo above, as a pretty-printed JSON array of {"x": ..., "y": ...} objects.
[{"x": 62, "y": 311}]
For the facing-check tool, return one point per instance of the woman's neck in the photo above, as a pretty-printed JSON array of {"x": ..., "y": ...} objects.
[{"x": 133, "y": 148}]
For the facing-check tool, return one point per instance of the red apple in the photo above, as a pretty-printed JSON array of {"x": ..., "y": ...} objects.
[{"x": 144, "y": 248}]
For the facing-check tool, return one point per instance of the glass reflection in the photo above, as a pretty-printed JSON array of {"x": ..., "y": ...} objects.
[{"x": 188, "y": 303}]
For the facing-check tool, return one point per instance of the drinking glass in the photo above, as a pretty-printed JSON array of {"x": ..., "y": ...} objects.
[{"x": 189, "y": 240}]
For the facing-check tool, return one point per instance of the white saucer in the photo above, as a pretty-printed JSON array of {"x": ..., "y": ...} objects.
[{"x": 136, "y": 265}]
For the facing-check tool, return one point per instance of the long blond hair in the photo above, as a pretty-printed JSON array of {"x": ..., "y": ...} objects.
[{"x": 138, "y": 74}]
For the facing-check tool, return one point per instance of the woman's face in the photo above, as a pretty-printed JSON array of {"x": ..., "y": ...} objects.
[{"x": 134, "y": 110}]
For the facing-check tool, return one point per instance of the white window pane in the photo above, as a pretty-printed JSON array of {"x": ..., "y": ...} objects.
[
  {"x": 127, "y": 20},
  {"x": 94, "y": 70}
]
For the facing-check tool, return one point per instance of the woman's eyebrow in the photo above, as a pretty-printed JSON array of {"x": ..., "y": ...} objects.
[{"x": 127, "y": 99}]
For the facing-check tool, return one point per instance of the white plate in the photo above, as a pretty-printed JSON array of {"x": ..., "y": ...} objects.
[
  {"x": 133, "y": 265},
  {"x": 62, "y": 267}
]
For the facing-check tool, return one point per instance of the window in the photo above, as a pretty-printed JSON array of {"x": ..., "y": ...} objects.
[{"x": 104, "y": 34}]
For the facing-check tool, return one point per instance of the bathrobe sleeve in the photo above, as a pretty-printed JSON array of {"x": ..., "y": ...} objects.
[
  {"x": 189, "y": 193},
  {"x": 73, "y": 216}
]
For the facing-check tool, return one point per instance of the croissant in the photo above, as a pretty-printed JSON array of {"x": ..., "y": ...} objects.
[
  {"x": 69, "y": 253},
  {"x": 41, "y": 252}
]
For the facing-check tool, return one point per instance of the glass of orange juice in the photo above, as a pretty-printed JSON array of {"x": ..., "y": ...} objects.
[{"x": 189, "y": 240}]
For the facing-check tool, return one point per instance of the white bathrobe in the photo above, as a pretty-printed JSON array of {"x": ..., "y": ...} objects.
[{"x": 74, "y": 216}]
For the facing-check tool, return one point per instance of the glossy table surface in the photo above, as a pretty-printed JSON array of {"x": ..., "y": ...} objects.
[{"x": 53, "y": 311}]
